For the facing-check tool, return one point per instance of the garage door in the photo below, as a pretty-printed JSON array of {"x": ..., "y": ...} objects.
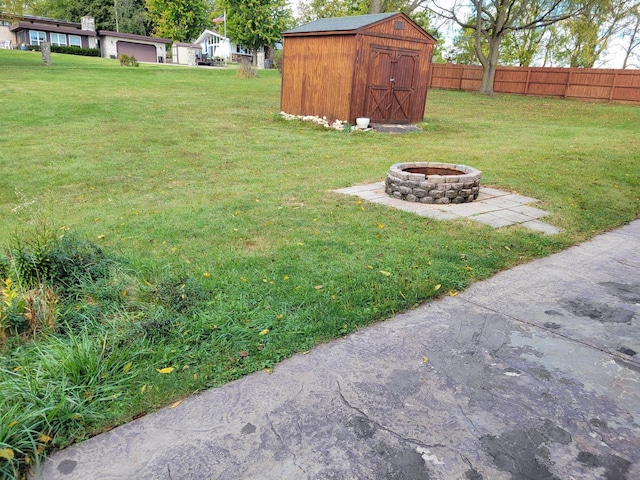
[{"x": 142, "y": 52}]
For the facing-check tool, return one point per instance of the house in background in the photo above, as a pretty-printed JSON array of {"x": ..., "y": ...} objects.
[
  {"x": 30, "y": 30},
  {"x": 215, "y": 45}
]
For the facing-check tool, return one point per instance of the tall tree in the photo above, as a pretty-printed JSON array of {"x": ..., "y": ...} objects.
[
  {"x": 632, "y": 32},
  {"x": 492, "y": 20},
  {"x": 10, "y": 9},
  {"x": 520, "y": 47},
  {"x": 179, "y": 20},
  {"x": 587, "y": 34},
  {"x": 464, "y": 51},
  {"x": 130, "y": 13},
  {"x": 406, "y": 6},
  {"x": 131, "y": 16},
  {"x": 257, "y": 23},
  {"x": 311, "y": 10}
]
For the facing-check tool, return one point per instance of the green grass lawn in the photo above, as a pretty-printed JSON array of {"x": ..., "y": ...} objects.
[{"x": 227, "y": 249}]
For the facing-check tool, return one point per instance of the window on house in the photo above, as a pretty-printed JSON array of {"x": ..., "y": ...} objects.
[
  {"x": 36, "y": 37},
  {"x": 75, "y": 40},
  {"x": 59, "y": 39}
]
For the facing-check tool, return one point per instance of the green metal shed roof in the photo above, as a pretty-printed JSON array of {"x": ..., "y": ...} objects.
[{"x": 340, "y": 23}]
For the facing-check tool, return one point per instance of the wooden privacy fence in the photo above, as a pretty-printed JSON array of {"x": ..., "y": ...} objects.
[{"x": 579, "y": 83}]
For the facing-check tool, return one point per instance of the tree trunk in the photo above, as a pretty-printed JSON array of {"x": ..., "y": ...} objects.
[
  {"x": 632, "y": 41},
  {"x": 489, "y": 66},
  {"x": 376, "y": 6}
]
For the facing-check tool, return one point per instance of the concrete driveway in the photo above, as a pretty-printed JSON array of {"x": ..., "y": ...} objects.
[{"x": 532, "y": 374}]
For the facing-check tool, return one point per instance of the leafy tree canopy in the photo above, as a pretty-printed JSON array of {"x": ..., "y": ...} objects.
[
  {"x": 179, "y": 20},
  {"x": 129, "y": 19},
  {"x": 585, "y": 36},
  {"x": 491, "y": 21},
  {"x": 257, "y": 23}
]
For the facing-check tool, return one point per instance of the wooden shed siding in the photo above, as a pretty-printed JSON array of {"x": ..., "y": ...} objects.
[
  {"x": 388, "y": 30},
  {"x": 317, "y": 74},
  {"x": 578, "y": 83},
  {"x": 333, "y": 73},
  {"x": 362, "y": 69}
]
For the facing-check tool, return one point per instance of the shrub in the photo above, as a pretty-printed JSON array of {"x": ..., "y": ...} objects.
[
  {"x": 245, "y": 69},
  {"x": 85, "y": 52},
  {"x": 69, "y": 50},
  {"x": 74, "y": 262},
  {"x": 42, "y": 276},
  {"x": 128, "y": 61},
  {"x": 277, "y": 60},
  {"x": 29, "y": 258}
]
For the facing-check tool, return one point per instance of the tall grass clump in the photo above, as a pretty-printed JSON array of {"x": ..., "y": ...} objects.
[
  {"x": 82, "y": 339},
  {"x": 42, "y": 273},
  {"x": 246, "y": 69},
  {"x": 63, "y": 368},
  {"x": 56, "y": 391}
]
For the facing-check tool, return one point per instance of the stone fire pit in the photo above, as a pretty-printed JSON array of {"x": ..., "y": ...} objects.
[{"x": 430, "y": 182}]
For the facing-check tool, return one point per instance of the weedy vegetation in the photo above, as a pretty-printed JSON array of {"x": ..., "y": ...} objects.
[{"x": 164, "y": 231}]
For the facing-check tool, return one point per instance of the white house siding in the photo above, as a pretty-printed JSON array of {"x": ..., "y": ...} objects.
[{"x": 214, "y": 45}]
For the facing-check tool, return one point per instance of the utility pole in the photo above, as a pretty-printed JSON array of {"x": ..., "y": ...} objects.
[{"x": 115, "y": 6}]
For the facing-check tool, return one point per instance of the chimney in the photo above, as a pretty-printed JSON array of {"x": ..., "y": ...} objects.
[{"x": 88, "y": 23}]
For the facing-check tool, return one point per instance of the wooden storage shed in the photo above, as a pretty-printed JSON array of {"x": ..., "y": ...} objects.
[{"x": 375, "y": 66}]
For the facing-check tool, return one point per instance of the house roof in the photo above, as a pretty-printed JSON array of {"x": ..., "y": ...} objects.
[
  {"x": 341, "y": 23},
  {"x": 56, "y": 21},
  {"x": 208, "y": 33},
  {"x": 56, "y": 27},
  {"x": 131, "y": 36}
]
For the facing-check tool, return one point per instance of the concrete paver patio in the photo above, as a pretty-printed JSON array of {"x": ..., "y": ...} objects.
[{"x": 493, "y": 207}]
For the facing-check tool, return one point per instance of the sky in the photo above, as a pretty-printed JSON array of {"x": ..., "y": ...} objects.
[{"x": 613, "y": 58}]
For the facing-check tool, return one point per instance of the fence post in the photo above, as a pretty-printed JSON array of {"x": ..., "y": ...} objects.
[
  {"x": 613, "y": 85},
  {"x": 566, "y": 89},
  {"x": 461, "y": 75},
  {"x": 526, "y": 85}
]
